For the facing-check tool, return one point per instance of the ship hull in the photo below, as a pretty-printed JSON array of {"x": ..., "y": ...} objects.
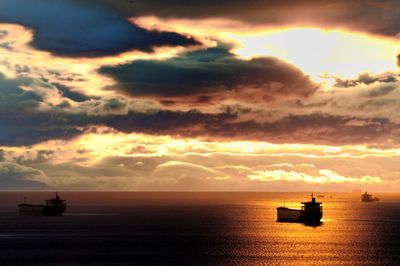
[
  {"x": 289, "y": 215},
  {"x": 32, "y": 209},
  {"x": 298, "y": 216},
  {"x": 54, "y": 210},
  {"x": 368, "y": 198},
  {"x": 312, "y": 217}
]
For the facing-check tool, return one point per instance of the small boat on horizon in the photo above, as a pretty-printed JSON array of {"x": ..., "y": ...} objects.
[
  {"x": 53, "y": 207},
  {"x": 310, "y": 212},
  {"x": 366, "y": 197}
]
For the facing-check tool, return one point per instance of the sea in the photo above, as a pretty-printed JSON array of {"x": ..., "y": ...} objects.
[{"x": 199, "y": 228}]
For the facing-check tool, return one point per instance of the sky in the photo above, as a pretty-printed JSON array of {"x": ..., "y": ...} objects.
[{"x": 153, "y": 95}]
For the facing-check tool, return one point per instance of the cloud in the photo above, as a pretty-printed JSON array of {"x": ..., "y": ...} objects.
[
  {"x": 177, "y": 175},
  {"x": 29, "y": 115},
  {"x": 325, "y": 176},
  {"x": 192, "y": 123},
  {"x": 366, "y": 79},
  {"x": 75, "y": 96},
  {"x": 378, "y": 17},
  {"x": 35, "y": 111},
  {"x": 173, "y": 118},
  {"x": 173, "y": 164},
  {"x": 210, "y": 75},
  {"x": 381, "y": 90},
  {"x": 208, "y": 93},
  {"x": 68, "y": 28},
  {"x": 314, "y": 128},
  {"x": 18, "y": 177}
]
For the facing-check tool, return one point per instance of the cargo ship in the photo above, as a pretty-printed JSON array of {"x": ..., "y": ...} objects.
[
  {"x": 366, "y": 197},
  {"x": 310, "y": 212},
  {"x": 53, "y": 207}
]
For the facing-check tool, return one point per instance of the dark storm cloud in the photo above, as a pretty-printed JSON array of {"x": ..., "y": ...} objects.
[
  {"x": 24, "y": 128},
  {"x": 20, "y": 121},
  {"x": 375, "y": 16},
  {"x": 82, "y": 29},
  {"x": 12, "y": 96},
  {"x": 211, "y": 73},
  {"x": 314, "y": 128},
  {"x": 190, "y": 124},
  {"x": 23, "y": 121},
  {"x": 366, "y": 79},
  {"x": 70, "y": 94}
]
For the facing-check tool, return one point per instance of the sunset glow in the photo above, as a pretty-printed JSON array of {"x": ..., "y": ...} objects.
[
  {"x": 322, "y": 53},
  {"x": 318, "y": 52},
  {"x": 117, "y": 99},
  {"x": 154, "y": 132},
  {"x": 224, "y": 162}
]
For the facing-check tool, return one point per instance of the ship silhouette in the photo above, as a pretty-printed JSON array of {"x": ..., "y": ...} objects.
[
  {"x": 53, "y": 207},
  {"x": 310, "y": 212},
  {"x": 366, "y": 197}
]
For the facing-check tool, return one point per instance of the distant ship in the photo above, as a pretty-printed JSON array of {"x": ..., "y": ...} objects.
[
  {"x": 310, "y": 212},
  {"x": 53, "y": 207},
  {"x": 366, "y": 197}
]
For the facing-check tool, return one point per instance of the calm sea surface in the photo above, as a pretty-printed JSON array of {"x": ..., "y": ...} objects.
[{"x": 199, "y": 229}]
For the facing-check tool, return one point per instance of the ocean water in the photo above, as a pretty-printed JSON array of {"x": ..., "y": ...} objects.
[{"x": 111, "y": 228}]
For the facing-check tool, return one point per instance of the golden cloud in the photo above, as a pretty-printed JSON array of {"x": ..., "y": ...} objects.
[{"x": 320, "y": 53}]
